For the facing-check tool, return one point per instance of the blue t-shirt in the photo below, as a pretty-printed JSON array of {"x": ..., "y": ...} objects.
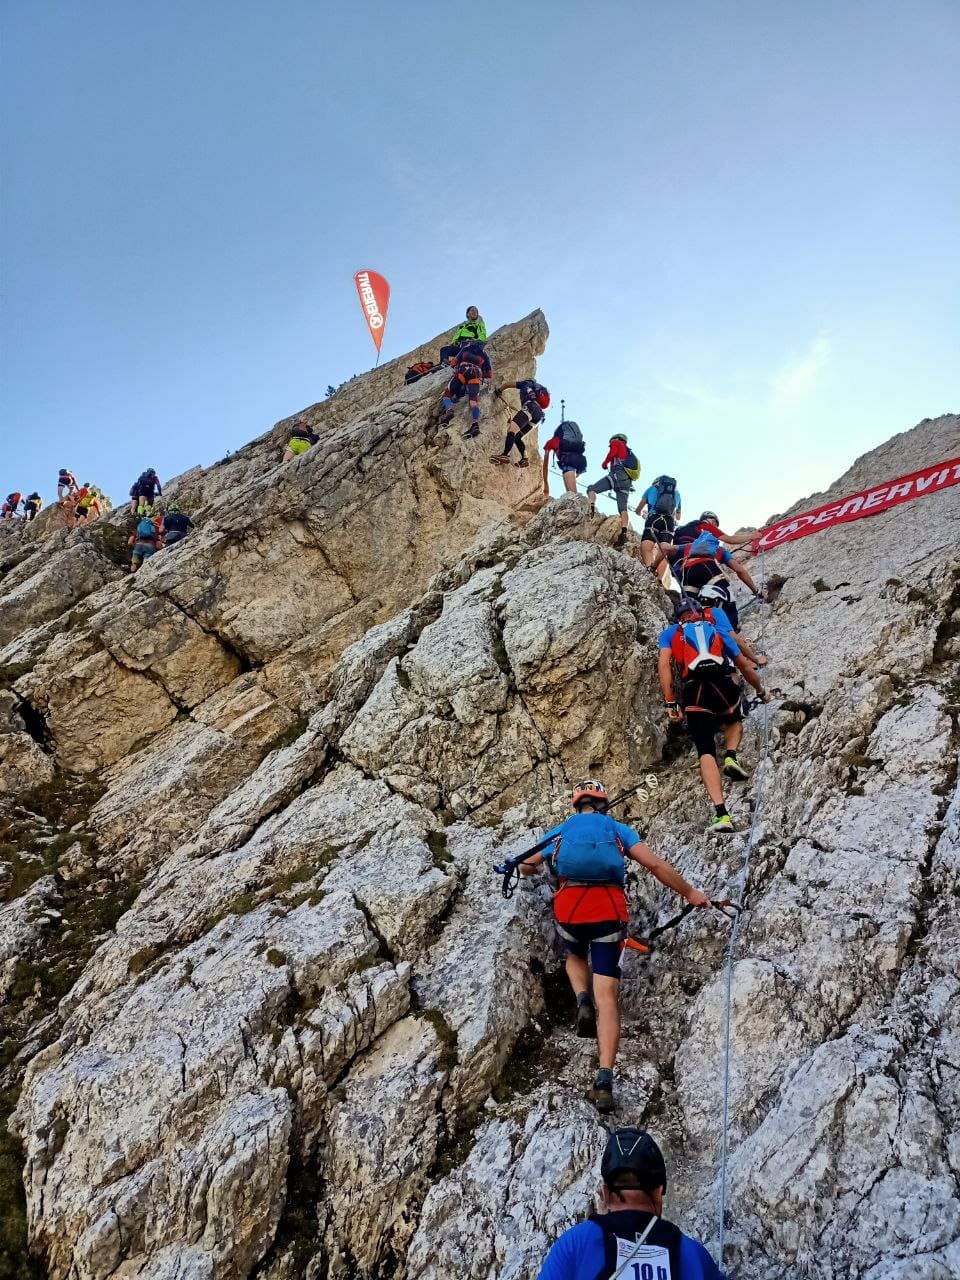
[
  {"x": 593, "y": 826},
  {"x": 579, "y": 1255},
  {"x": 722, "y": 624},
  {"x": 650, "y": 498}
]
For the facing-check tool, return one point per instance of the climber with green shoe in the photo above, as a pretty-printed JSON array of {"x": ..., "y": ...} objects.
[
  {"x": 624, "y": 469},
  {"x": 702, "y": 645},
  {"x": 590, "y": 911}
]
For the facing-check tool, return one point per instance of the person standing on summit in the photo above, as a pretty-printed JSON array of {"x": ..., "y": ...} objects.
[{"x": 472, "y": 330}]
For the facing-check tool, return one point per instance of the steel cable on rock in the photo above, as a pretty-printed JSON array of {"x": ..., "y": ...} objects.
[{"x": 732, "y": 944}]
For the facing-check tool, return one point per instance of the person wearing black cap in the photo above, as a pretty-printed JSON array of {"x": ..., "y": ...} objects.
[{"x": 631, "y": 1240}]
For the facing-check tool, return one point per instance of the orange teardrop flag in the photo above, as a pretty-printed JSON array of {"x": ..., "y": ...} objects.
[{"x": 374, "y": 298}]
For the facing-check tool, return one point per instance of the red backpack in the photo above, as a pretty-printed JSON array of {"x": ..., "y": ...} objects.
[
  {"x": 697, "y": 647},
  {"x": 417, "y": 371},
  {"x": 543, "y": 398}
]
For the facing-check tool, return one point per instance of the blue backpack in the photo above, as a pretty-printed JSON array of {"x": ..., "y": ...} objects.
[
  {"x": 590, "y": 850},
  {"x": 146, "y": 530},
  {"x": 705, "y": 546}
]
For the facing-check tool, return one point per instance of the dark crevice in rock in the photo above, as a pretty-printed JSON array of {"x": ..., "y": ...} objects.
[
  {"x": 385, "y": 949},
  {"x": 948, "y": 628},
  {"x": 35, "y": 723},
  {"x": 244, "y": 661},
  {"x": 298, "y": 1237}
]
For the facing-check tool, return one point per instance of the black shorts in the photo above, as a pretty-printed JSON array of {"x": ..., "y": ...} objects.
[
  {"x": 658, "y": 527},
  {"x": 531, "y": 415},
  {"x": 710, "y": 703},
  {"x": 602, "y": 943}
]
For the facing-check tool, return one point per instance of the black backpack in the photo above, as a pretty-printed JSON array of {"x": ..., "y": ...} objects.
[
  {"x": 571, "y": 437},
  {"x": 627, "y": 1226},
  {"x": 666, "y": 488}
]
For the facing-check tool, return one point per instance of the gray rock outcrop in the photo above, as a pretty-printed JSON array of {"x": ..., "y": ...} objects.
[{"x": 265, "y": 1010}]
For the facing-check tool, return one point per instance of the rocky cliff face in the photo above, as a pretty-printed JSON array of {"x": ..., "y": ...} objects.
[{"x": 265, "y": 1010}]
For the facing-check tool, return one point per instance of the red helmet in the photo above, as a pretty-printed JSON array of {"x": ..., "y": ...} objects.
[{"x": 590, "y": 789}]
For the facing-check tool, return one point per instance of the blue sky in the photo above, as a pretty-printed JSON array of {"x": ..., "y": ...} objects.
[{"x": 741, "y": 222}]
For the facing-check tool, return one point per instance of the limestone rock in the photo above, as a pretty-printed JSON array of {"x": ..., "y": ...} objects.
[
  {"x": 23, "y": 923},
  {"x": 311, "y": 1036}
]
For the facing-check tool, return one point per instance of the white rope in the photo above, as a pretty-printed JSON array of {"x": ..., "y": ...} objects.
[
  {"x": 732, "y": 944},
  {"x": 636, "y": 1248}
]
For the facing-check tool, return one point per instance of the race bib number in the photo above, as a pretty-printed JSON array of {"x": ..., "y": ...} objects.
[{"x": 649, "y": 1262}]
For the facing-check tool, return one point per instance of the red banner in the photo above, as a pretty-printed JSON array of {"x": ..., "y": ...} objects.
[
  {"x": 870, "y": 502},
  {"x": 374, "y": 298}
]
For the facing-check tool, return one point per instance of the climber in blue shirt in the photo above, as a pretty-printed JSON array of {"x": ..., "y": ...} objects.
[{"x": 631, "y": 1239}]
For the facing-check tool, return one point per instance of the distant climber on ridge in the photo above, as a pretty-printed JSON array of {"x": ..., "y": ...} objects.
[
  {"x": 11, "y": 506},
  {"x": 471, "y": 369},
  {"x": 472, "y": 330},
  {"x": 567, "y": 445},
  {"x": 87, "y": 506},
  {"x": 66, "y": 485},
  {"x": 631, "y": 1239},
  {"x": 301, "y": 439},
  {"x": 590, "y": 910},
  {"x": 702, "y": 644},
  {"x": 534, "y": 398},
  {"x": 144, "y": 491},
  {"x": 175, "y": 525},
  {"x": 660, "y": 505},
  {"x": 144, "y": 540},
  {"x": 32, "y": 505},
  {"x": 624, "y": 469}
]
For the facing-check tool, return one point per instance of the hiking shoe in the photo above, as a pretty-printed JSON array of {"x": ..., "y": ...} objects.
[
  {"x": 721, "y": 826},
  {"x": 471, "y": 433},
  {"x": 621, "y": 539},
  {"x": 586, "y": 1019},
  {"x": 601, "y": 1092},
  {"x": 446, "y": 415},
  {"x": 524, "y": 462},
  {"x": 501, "y": 458},
  {"x": 734, "y": 769}
]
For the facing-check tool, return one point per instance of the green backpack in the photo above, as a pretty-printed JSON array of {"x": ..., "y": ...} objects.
[{"x": 632, "y": 465}]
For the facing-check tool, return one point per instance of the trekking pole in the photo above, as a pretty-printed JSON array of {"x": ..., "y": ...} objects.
[
  {"x": 723, "y": 905},
  {"x": 510, "y": 869}
]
